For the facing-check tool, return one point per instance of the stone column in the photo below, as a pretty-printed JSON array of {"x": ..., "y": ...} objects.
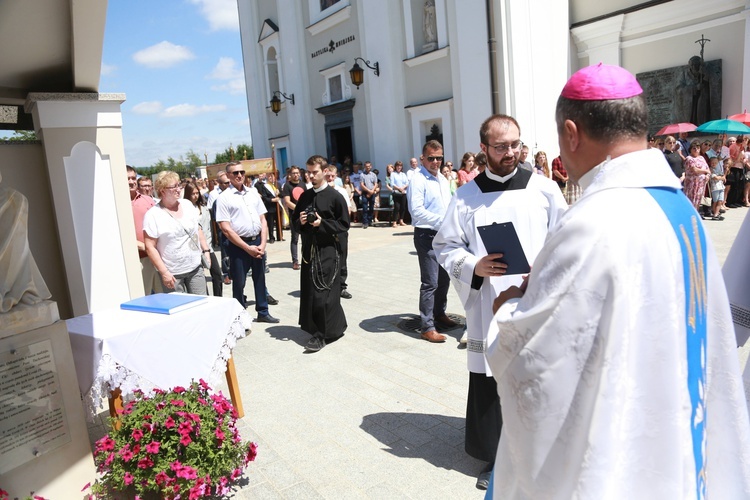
[{"x": 82, "y": 138}]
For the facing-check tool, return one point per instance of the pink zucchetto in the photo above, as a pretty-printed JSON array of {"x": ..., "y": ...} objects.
[{"x": 601, "y": 82}]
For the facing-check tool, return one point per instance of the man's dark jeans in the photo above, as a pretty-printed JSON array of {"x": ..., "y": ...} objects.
[
  {"x": 368, "y": 207},
  {"x": 433, "y": 292},
  {"x": 239, "y": 263}
]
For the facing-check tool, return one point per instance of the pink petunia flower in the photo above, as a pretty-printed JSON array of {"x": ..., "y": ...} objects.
[
  {"x": 153, "y": 447},
  {"x": 126, "y": 453},
  {"x": 145, "y": 463},
  {"x": 185, "y": 440},
  {"x": 169, "y": 423},
  {"x": 128, "y": 478},
  {"x": 137, "y": 434},
  {"x": 178, "y": 390},
  {"x": 106, "y": 444}
]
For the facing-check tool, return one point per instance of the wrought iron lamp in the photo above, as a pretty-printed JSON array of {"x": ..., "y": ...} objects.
[
  {"x": 276, "y": 102},
  {"x": 358, "y": 74}
]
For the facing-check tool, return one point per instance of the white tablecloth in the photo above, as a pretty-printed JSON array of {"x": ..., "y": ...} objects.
[{"x": 137, "y": 350}]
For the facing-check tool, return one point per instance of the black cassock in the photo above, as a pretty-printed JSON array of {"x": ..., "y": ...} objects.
[{"x": 320, "y": 311}]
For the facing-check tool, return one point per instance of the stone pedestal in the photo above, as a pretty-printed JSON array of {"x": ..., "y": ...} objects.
[{"x": 44, "y": 443}]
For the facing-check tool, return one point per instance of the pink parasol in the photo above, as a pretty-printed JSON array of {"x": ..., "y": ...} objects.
[
  {"x": 676, "y": 128},
  {"x": 743, "y": 117}
]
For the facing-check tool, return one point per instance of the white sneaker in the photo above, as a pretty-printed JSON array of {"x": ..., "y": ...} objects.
[{"x": 463, "y": 340}]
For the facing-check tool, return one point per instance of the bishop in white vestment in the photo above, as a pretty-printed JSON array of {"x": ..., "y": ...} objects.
[{"x": 617, "y": 364}]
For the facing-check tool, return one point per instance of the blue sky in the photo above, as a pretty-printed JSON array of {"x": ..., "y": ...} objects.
[{"x": 179, "y": 62}]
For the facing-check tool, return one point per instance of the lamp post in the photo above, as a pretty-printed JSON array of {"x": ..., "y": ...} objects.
[{"x": 357, "y": 74}]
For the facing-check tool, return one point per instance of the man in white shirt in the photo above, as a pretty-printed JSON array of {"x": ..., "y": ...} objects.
[
  {"x": 413, "y": 168},
  {"x": 240, "y": 214}
]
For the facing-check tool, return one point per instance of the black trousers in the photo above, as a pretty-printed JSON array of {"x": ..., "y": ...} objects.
[{"x": 484, "y": 419}]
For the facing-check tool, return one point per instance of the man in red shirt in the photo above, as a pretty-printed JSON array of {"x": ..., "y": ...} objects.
[
  {"x": 141, "y": 204},
  {"x": 559, "y": 174}
]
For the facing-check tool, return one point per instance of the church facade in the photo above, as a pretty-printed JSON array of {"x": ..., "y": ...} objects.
[{"x": 445, "y": 65}]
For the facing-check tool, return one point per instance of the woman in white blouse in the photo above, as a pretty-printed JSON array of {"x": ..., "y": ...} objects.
[{"x": 173, "y": 238}]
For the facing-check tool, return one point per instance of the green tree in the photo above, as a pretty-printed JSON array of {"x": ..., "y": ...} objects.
[
  {"x": 22, "y": 136},
  {"x": 236, "y": 153}
]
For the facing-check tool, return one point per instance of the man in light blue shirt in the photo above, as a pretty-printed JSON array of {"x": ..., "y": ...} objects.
[{"x": 428, "y": 195}]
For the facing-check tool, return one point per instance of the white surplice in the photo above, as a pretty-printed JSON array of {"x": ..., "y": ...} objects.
[
  {"x": 531, "y": 202},
  {"x": 591, "y": 362}
]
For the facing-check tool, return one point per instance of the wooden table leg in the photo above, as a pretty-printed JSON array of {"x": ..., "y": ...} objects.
[
  {"x": 115, "y": 406},
  {"x": 234, "y": 388}
]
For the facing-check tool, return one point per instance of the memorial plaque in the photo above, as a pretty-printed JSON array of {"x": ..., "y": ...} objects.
[
  {"x": 32, "y": 414},
  {"x": 682, "y": 94}
]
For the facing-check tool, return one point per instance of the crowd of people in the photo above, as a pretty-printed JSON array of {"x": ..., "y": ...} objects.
[
  {"x": 591, "y": 326},
  {"x": 714, "y": 173}
]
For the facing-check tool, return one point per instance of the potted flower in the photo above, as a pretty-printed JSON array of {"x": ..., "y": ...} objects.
[{"x": 183, "y": 443}]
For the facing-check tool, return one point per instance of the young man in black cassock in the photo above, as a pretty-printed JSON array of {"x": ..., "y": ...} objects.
[{"x": 320, "y": 311}]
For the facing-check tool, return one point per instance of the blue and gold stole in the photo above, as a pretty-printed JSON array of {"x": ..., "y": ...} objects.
[{"x": 692, "y": 238}]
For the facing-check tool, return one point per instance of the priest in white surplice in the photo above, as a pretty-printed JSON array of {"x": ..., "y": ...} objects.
[
  {"x": 502, "y": 193},
  {"x": 616, "y": 362}
]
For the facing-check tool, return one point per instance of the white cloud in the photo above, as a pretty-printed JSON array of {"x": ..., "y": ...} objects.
[
  {"x": 225, "y": 69},
  {"x": 185, "y": 109},
  {"x": 148, "y": 108},
  {"x": 163, "y": 55},
  {"x": 220, "y": 14},
  {"x": 233, "y": 87},
  {"x": 108, "y": 69}
]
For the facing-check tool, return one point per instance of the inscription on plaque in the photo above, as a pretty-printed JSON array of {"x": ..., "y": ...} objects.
[
  {"x": 32, "y": 413},
  {"x": 682, "y": 94}
]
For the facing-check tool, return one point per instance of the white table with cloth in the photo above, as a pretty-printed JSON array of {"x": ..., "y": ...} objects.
[{"x": 118, "y": 351}]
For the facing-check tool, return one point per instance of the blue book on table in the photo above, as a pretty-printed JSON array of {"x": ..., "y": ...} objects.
[{"x": 164, "y": 303}]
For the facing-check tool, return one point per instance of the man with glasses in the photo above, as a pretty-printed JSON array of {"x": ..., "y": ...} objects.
[
  {"x": 145, "y": 186},
  {"x": 428, "y": 196},
  {"x": 240, "y": 214},
  {"x": 503, "y": 193}
]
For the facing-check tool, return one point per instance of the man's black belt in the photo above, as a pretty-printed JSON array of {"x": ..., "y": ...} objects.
[
  {"x": 248, "y": 239},
  {"x": 425, "y": 230}
]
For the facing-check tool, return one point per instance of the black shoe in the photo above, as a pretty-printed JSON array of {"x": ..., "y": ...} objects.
[
  {"x": 483, "y": 481},
  {"x": 266, "y": 319},
  {"x": 345, "y": 294},
  {"x": 271, "y": 301},
  {"x": 364, "y": 226},
  {"x": 315, "y": 344}
]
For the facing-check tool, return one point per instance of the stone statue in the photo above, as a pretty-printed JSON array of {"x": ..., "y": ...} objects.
[
  {"x": 20, "y": 279},
  {"x": 693, "y": 93},
  {"x": 429, "y": 26}
]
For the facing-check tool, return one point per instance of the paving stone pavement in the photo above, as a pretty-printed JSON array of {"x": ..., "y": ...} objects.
[{"x": 377, "y": 414}]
